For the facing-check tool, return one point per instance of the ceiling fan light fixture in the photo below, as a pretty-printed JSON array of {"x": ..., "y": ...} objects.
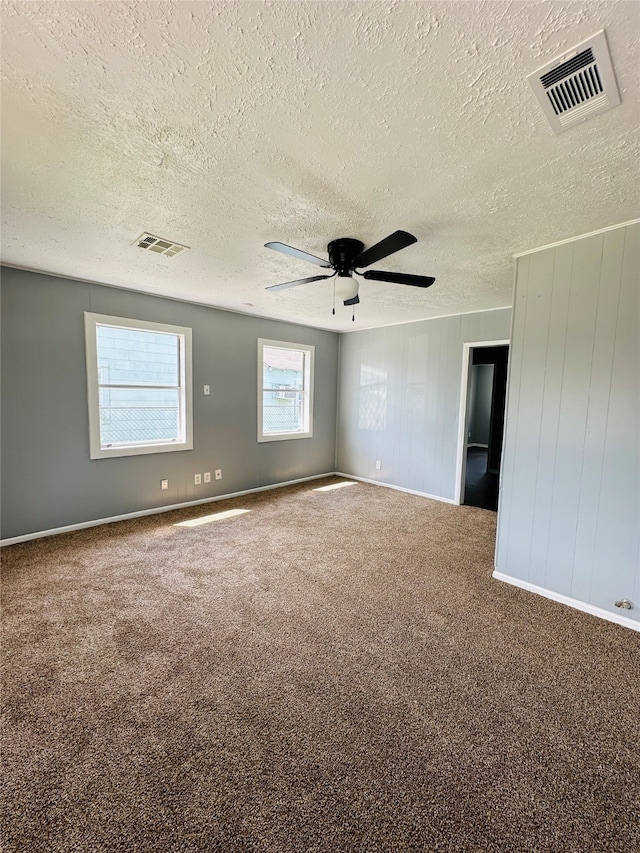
[
  {"x": 347, "y": 257},
  {"x": 346, "y": 286}
]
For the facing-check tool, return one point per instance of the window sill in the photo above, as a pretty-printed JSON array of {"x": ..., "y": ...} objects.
[
  {"x": 283, "y": 436},
  {"x": 139, "y": 450}
]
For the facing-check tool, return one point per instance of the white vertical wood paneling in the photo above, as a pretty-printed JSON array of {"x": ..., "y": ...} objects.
[
  {"x": 616, "y": 568},
  {"x": 508, "y": 472},
  {"x": 449, "y": 407},
  {"x": 529, "y": 406},
  {"x": 396, "y": 436},
  {"x": 598, "y": 412},
  {"x": 421, "y": 365},
  {"x": 417, "y": 372},
  {"x": 547, "y": 458},
  {"x": 569, "y": 501},
  {"x": 580, "y": 324},
  {"x": 433, "y": 394}
]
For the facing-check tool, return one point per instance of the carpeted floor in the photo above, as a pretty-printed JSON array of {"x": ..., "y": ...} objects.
[{"x": 330, "y": 671}]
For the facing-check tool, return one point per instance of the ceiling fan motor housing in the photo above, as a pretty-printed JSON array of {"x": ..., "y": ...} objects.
[
  {"x": 343, "y": 252},
  {"x": 345, "y": 255}
]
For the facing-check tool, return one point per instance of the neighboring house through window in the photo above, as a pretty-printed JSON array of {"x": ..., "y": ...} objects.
[
  {"x": 139, "y": 386},
  {"x": 285, "y": 390}
]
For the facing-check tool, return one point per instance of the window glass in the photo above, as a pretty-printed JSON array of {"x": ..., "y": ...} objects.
[
  {"x": 129, "y": 415},
  {"x": 285, "y": 393},
  {"x": 139, "y": 382},
  {"x": 136, "y": 357}
]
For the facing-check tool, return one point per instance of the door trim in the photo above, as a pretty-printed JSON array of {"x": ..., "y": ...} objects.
[{"x": 461, "y": 460}]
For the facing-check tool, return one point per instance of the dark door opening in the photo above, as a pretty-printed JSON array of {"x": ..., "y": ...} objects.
[{"x": 485, "y": 425}]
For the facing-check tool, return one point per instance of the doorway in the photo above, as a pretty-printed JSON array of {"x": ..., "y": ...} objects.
[{"x": 482, "y": 411}]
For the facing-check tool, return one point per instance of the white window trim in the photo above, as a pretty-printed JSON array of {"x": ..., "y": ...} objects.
[
  {"x": 309, "y": 351},
  {"x": 91, "y": 321}
]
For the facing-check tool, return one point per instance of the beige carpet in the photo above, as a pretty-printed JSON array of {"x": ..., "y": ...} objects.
[{"x": 330, "y": 671}]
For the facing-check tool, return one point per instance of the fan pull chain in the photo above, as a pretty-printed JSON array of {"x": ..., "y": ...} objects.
[{"x": 334, "y": 296}]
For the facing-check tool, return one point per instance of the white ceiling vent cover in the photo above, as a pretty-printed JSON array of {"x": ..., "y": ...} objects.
[
  {"x": 577, "y": 85},
  {"x": 156, "y": 244}
]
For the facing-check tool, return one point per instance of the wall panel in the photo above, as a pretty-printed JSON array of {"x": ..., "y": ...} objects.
[
  {"x": 399, "y": 399},
  {"x": 570, "y": 490},
  {"x": 48, "y": 479}
]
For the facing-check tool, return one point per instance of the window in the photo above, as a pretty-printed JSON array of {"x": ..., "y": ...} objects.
[
  {"x": 285, "y": 390},
  {"x": 139, "y": 386}
]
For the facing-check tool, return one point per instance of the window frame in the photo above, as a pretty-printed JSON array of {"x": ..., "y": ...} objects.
[
  {"x": 308, "y": 351},
  {"x": 185, "y": 387}
]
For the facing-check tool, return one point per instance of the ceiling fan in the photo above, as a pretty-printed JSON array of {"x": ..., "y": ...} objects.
[{"x": 346, "y": 257}]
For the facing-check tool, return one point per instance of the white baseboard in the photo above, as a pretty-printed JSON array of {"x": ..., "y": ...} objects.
[
  {"x": 155, "y": 510},
  {"x": 618, "y": 618},
  {"x": 397, "y": 488}
]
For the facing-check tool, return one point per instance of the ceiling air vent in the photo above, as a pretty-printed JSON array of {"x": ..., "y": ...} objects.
[
  {"x": 577, "y": 85},
  {"x": 155, "y": 244}
]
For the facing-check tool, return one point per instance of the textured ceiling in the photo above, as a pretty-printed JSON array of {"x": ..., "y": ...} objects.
[{"x": 224, "y": 125}]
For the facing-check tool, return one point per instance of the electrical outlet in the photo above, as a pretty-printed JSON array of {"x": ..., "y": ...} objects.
[
  {"x": 164, "y": 484},
  {"x": 197, "y": 479},
  {"x": 378, "y": 465},
  {"x": 218, "y": 473},
  {"x": 207, "y": 476},
  {"x": 206, "y": 390}
]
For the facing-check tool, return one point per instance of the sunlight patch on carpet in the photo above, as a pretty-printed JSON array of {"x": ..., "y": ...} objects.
[
  {"x": 208, "y": 519},
  {"x": 334, "y": 486}
]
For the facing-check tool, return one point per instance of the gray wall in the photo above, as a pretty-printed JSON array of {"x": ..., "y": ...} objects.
[
  {"x": 480, "y": 394},
  {"x": 48, "y": 480},
  {"x": 399, "y": 399},
  {"x": 569, "y": 508}
]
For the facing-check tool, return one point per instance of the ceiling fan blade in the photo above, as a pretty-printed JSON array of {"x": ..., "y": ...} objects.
[
  {"x": 393, "y": 243},
  {"x": 399, "y": 278},
  {"x": 353, "y": 301},
  {"x": 298, "y": 253},
  {"x": 297, "y": 282}
]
